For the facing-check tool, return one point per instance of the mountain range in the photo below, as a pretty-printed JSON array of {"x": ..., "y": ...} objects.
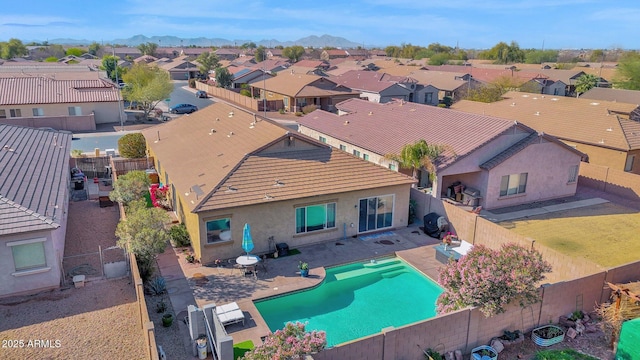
[{"x": 164, "y": 41}]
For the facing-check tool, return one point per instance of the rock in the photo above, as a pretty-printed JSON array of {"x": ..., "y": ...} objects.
[
  {"x": 586, "y": 318},
  {"x": 572, "y": 333},
  {"x": 591, "y": 328},
  {"x": 564, "y": 321},
  {"x": 458, "y": 354},
  {"x": 449, "y": 356},
  {"x": 497, "y": 344},
  {"x": 579, "y": 327}
]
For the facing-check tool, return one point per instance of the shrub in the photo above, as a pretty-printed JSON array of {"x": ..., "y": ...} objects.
[
  {"x": 442, "y": 105},
  {"x": 292, "y": 342},
  {"x": 132, "y": 146},
  {"x": 161, "y": 307},
  {"x": 157, "y": 286},
  {"x": 309, "y": 108},
  {"x": 298, "y": 113},
  {"x": 281, "y": 111},
  {"x": 76, "y": 153},
  {"x": 179, "y": 235},
  {"x": 245, "y": 92},
  {"x": 192, "y": 83},
  {"x": 130, "y": 187},
  {"x": 491, "y": 279}
]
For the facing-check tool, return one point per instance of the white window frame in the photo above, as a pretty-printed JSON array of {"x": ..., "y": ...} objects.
[
  {"x": 365, "y": 157},
  {"x": 378, "y": 199},
  {"x": 34, "y": 269},
  {"x": 3, "y": 114},
  {"x": 38, "y": 112},
  {"x": 393, "y": 167},
  {"x": 343, "y": 147},
  {"x": 356, "y": 152},
  {"x": 75, "y": 110},
  {"x": 322, "y": 139},
  {"x": 513, "y": 184},
  {"x": 327, "y": 223},
  {"x": 628, "y": 165},
  {"x": 15, "y": 113},
  {"x": 573, "y": 173}
]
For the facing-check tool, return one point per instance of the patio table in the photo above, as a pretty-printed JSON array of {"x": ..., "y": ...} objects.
[{"x": 247, "y": 260}]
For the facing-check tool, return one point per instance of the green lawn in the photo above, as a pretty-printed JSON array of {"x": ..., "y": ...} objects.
[
  {"x": 562, "y": 355},
  {"x": 607, "y": 234},
  {"x": 240, "y": 348}
]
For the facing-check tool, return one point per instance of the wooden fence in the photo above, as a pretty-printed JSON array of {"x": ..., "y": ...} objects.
[{"x": 241, "y": 100}]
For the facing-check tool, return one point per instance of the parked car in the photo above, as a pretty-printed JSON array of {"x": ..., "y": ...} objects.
[
  {"x": 183, "y": 109},
  {"x": 201, "y": 94}
]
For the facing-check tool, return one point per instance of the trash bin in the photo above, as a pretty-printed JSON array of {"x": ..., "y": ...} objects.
[
  {"x": 201, "y": 344},
  {"x": 283, "y": 249}
]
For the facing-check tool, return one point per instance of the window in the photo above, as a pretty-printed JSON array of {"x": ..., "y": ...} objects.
[
  {"x": 38, "y": 112},
  {"x": 323, "y": 139},
  {"x": 428, "y": 98},
  {"x": 628, "y": 166},
  {"x": 28, "y": 254},
  {"x": 573, "y": 173},
  {"x": 15, "y": 112},
  {"x": 315, "y": 217},
  {"x": 3, "y": 114},
  {"x": 513, "y": 184},
  {"x": 219, "y": 230},
  {"x": 343, "y": 147},
  {"x": 356, "y": 153},
  {"x": 365, "y": 156},
  {"x": 392, "y": 167},
  {"x": 375, "y": 213},
  {"x": 75, "y": 110}
]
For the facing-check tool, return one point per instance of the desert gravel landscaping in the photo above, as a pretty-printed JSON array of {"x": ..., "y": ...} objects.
[{"x": 98, "y": 321}]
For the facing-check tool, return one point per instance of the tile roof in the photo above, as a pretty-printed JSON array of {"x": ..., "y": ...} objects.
[
  {"x": 441, "y": 80},
  {"x": 386, "y": 128},
  {"x": 617, "y": 95},
  {"x": 57, "y": 75},
  {"x": 369, "y": 80},
  {"x": 39, "y": 90},
  {"x": 271, "y": 64},
  {"x": 34, "y": 178},
  {"x": 566, "y": 76},
  {"x": 234, "y": 156},
  {"x": 299, "y": 85},
  {"x": 312, "y": 63},
  {"x": 580, "y": 120}
]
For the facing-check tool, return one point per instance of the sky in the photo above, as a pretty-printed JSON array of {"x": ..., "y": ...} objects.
[{"x": 471, "y": 24}]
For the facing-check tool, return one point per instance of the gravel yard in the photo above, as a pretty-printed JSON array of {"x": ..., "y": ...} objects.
[{"x": 98, "y": 321}]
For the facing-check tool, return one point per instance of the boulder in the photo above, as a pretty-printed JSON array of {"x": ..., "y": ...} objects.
[
  {"x": 564, "y": 321},
  {"x": 579, "y": 327},
  {"x": 458, "y": 354},
  {"x": 572, "y": 333},
  {"x": 591, "y": 328},
  {"x": 449, "y": 356}
]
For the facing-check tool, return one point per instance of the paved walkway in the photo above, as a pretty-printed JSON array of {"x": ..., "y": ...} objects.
[{"x": 540, "y": 210}]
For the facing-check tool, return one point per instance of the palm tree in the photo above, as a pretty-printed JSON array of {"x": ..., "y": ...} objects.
[
  {"x": 585, "y": 83},
  {"x": 419, "y": 154}
]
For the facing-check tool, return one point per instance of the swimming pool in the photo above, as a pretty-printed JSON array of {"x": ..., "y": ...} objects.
[{"x": 357, "y": 300}]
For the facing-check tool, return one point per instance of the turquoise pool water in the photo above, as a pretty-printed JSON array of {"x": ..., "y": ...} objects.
[{"x": 357, "y": 300}]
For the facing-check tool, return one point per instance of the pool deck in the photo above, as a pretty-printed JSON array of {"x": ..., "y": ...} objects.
[{"x": 193, "y": 284}]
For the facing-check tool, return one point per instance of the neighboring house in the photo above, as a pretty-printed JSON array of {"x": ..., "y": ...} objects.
[
  {"x": 313, "y": 64},
  {"x": 566, "y": 77},
  {"x": 244, "y": 75},
  {"x": 180, "y": 68},
  {"x": 145, "y": 59},
  {"x": 75, "y": 105},
  {"x": 273, "y": 52},
  {"x": 299, "y": 90},
  {"x": 226, "y": 167},
  {"x": 507, "y": 163},
  {"x": 272, "y": 65},
  {"x": 608, "y": 132},
  {"x": 227, "y": 53},
  {"x": 377, "y": 87},
  {"x": 616, "y": 95},
  {"x": 34, "y": 197},
  {"x": 333, "y": 54}
]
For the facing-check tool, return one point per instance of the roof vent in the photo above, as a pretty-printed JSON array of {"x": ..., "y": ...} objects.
[
  {"x": 212, "y": 131},
  {"x": 230, "y": 134},
  {"x": 230, "y": 113},
  {"x": 513, "y": 104},
  {"x": 601, "y": 141},
  {"x": 278, "y": 183},
  {"x": 554, "y": 99},
  {"x": 267, "y": 196},
  {"x": 525, "y": 96},
  {"x": 252, "y": 124},
  {"x": 537, "y": 113},
  {"x": 217, "y": 119},
  {"x": 609, "y": 129},
  {"x": 231, "y": 188},
  {"x": 370, "y": 113},
  {"x": 346, "y": 122},
  {"x": 594, "y": 103}
]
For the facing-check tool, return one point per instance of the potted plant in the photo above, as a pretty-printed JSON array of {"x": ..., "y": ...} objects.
[
  {"x": 167, "y": 320},
  {"x": 547, "y": 335},
  {"x": 304, "y": 269},
  {"x": 484, "y": 352}
]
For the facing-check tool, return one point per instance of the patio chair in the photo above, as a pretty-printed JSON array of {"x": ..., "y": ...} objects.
[
  {"x": 231, "y": 317},
  {"x": 235, "y": 266},
  {"x": 263, "y": 263},
  {"x": 252, "y": 270},
  {"x": 227, "y": 308}
]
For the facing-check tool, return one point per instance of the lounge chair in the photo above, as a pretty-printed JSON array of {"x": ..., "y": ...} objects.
[
  {"x": 230, "y": 314},
  {"x": 464, "y": 248}
]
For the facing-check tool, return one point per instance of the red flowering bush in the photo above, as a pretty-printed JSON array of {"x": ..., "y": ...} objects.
[
  {"x": 159, "y": 197},
  {"x": 491, "y": 279},
  {"x": 292, "y": 342}
]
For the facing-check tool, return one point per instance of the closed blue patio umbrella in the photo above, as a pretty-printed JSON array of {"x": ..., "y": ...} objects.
[{"x": 247, "y": 242}]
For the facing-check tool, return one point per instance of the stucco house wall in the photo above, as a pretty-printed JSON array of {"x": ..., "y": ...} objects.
[
  {"x": 613, "y": 158},
  {"x": 277, "y": 220},
  {"x": 104, "y": 112},
  {"x": 420, "y": 95}
]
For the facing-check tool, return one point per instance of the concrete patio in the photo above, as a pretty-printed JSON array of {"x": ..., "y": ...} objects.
[{"x": 194, "y": 284}]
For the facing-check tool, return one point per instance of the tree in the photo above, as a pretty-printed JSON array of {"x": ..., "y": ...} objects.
[
  {"x": 292, "y": 342},
  {"x": 492, "y": 279},
  {"x": 628, "y": 73},
  {"x": 143, "y": 233},
  {"x": 503, "y": 53},
  {"x": 585, "y": 83},
  {"x": 223, "y": 77},
  {"x": 130, "y": 187},
  {"x": 419, "y": 154},
  {"x": 439, "y": 59},
  {"x": 110, "y": 65},
  {"x": 392, "y": 51},
  {"x": 208, "y": 61},
  {"x": 248, "y": 45},
  {"x": 132, "y": 146},
  {"x": 94, "y": 48},
  {"x": 597, "y": 55},
  {"x": 11, "y": 49},
  {"x": 260, "y": 54},
  {"x": 148, "y": 48},
  {"x": 51, "y": 59},
  {"x": 74, "y": 52},
  {"x": 539, "y": 56},
  {"x": 293, "y": 52},
  {"x": 147, "y": 85},
  {"x": 486, "y": 94}
]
